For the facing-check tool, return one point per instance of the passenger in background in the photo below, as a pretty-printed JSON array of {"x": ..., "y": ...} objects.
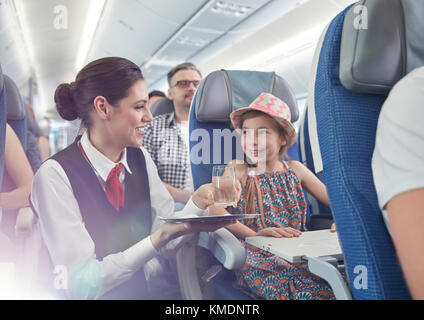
[
  {"x": 274, "y": 189},
  {"x": 167, "y": 136},
  {"x": 398, "y": 171},
  {"x": 154, "y": 96},
  {"x": 100, "y": 199},
  {"x": 20, "y": 174}
]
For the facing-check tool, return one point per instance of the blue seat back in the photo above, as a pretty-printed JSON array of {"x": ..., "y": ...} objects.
[
  {"x": 16, "y": 116},
  {"x": 317, "y": 210},
  {"x": 346, "y": 126},
  {"x": 2, "y": 124},
  {"x": 218, "y": 95}
]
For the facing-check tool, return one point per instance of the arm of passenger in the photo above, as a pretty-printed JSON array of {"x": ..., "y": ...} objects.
[
  {"x": 43, "y": 144},
  {"x": 19, "y": 169},
  {"x": 70, "y": 244},
  {"x": 177, "y": 194},
  {"x": 310, "y": 182},
  {"x": 408, "y": 236}
]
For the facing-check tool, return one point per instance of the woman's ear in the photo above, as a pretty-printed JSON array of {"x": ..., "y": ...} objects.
[{"x": 101, "y": 107}]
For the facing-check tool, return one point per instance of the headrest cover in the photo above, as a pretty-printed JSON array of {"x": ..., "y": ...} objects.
[
  {"x": 1, "y": 79},
  {"x": 162, "y": 106},
  {"x": 15, "y": 105},
  {"x": 224, "y": 91},
  {"x": 382, "y": 41}
]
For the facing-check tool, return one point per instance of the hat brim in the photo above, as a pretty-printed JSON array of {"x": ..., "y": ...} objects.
[{"x": 285, "y": 124}]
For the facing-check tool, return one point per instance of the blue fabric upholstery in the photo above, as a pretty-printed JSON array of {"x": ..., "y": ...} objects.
[
  {"x": 322, "y": 216},
  {"x": 2, "y": 130},
  {"x": 346, "y": 124}
]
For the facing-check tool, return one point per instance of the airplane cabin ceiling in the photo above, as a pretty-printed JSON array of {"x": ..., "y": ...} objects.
[{"x": 156, "y": 35}]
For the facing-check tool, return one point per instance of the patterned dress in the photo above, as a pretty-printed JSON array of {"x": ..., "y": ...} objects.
[{"x": 264, "y": 274}]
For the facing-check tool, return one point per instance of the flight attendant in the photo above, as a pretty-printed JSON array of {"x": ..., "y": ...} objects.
[{"x": 100, "y": 199}]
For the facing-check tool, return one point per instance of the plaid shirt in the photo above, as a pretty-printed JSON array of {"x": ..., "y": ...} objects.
[{"x": 163, "y": 140}]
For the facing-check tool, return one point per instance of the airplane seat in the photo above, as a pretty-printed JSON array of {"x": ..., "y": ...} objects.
[
  {"x": 320, "y": 216},
  {"x": 33, "y": 150},
  {"x": 367, "y": 48},
  {"x": 16, "y": 116},
  {"x": 213, "y": 142},
  {"x": 2, "y": 124},
  {"x": 162, "y": 106}
]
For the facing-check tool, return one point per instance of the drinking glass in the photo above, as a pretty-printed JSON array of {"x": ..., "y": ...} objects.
[{"x": 224, "y": 185}]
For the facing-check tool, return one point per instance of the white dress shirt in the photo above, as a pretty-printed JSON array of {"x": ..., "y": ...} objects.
[
  {"x": 66, "y": 237},
  {"x": 398, "y": 157}
]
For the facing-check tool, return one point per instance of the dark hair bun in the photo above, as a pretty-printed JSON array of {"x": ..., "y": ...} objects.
[{"x": 65, "y": 103}]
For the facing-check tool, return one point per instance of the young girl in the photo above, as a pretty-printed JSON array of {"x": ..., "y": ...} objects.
[
  {"x": 99, "y": 200},
  {"x": 274, "y": 189}
]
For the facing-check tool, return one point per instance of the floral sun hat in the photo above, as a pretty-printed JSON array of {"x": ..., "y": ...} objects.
[{"x": 272, "y": 106}]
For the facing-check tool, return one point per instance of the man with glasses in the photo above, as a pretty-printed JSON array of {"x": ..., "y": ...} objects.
[{"x": 167, "y": 136}]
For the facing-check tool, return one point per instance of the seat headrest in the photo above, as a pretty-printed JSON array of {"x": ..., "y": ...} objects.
[
  {"x": 224, "y": 91},
  {"x": 162, "y": 106},
  {"x": 1, "y": 79},
  {"x": 31, "y": 123},
  {"x": 382, "y": 41},
  {"x": 15, "y": 105}
]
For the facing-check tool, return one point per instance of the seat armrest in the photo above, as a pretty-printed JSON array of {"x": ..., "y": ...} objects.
[
  {"x": 222, "y": 244},
  {"x": 25, "y": 222},
  {"x": 226, "y": 248}
]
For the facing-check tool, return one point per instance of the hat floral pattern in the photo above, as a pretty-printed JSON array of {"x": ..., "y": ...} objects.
[{"x": 272, "y": 106}]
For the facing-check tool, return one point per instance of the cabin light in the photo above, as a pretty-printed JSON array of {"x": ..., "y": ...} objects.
[
  {"x": 216, "y": 10},
  {"x": 182, "y": 40},
  {"x": 200, "y": 43},
  {"x": 244, "y": 9},
  {"x": 283, "y": 49},
  {"x": 93, "y": 18},
  {"x": 221, "y": 4},
  {"x": 229, "y": 9}
]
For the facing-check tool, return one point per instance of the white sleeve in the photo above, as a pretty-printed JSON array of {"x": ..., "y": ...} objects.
[
  {"x": 398, "y": 159},
  {"x": 69, "y": 242}
]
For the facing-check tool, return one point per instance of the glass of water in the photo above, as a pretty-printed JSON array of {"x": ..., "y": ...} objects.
[{"x": 224, "y": 185}]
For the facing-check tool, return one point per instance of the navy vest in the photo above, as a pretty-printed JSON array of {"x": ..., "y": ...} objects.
[{"x": 112, "y": 231}]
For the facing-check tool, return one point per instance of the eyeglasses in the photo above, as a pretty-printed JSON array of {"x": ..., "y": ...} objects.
[{"x": 184, "y": 84}]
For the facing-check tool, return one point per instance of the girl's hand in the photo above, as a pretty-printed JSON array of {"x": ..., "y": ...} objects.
[
  {"x": 279, "y": 232},
  {"x": 333, "y": 228},
  {"x": 203, "y": 197}
]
